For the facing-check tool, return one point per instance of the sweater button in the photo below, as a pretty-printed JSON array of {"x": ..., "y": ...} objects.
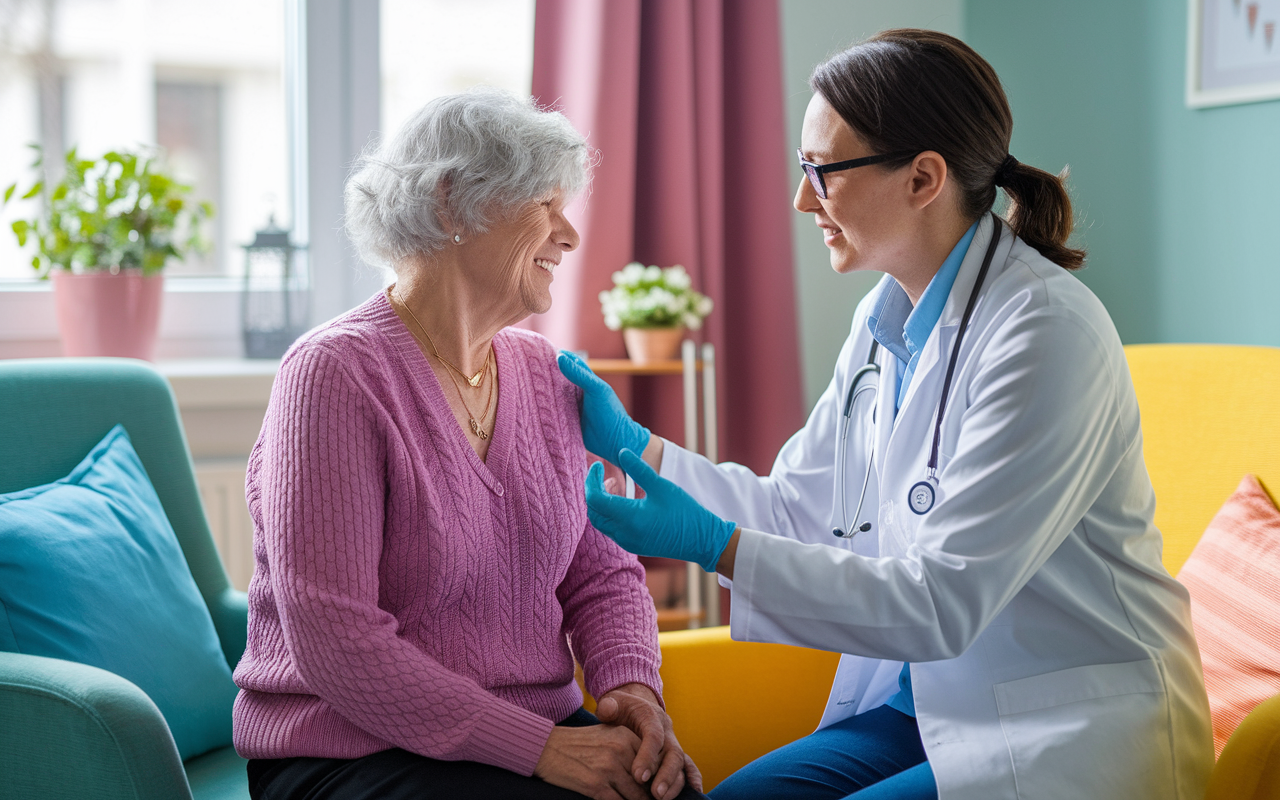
[{"x": 499, "y": 490}]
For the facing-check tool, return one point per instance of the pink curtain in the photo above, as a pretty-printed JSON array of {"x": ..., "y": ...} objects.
[{"x": 683, "y": 100}]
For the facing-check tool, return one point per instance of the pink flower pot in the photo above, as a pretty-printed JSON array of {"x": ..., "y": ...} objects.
[
  {"x": 647, "y": 345},
  {"x": 100, "y": 314}
]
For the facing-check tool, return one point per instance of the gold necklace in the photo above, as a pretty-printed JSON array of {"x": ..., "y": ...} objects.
[
  {"x": 474, "y": 380},
  {"x": 476, "y": 427}
]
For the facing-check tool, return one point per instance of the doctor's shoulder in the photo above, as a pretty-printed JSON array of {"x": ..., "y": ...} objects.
[
  {"x": 1042, "y": 305},
  {"x": 1044, "y": 285}
]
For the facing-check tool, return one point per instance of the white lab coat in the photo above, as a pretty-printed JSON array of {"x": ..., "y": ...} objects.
[{"x": 1051, "y": 653}]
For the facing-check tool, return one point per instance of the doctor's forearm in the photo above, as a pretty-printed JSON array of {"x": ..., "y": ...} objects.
[
  {"x": 725, "y": 565},
  {"x": 652, "y": 454}
]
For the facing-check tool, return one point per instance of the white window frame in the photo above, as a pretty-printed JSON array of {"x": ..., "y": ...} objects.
[
  {"x": 334, "y": 107},
  {"x": 342, "y": 106}
]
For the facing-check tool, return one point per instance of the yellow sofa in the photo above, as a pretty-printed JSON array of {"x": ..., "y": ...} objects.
[{"x": 1210, "y": 414}]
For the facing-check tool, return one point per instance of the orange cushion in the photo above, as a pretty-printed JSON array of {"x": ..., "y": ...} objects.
[{"x": 1233, "y": 576}]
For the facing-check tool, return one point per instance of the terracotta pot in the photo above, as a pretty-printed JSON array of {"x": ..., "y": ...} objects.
[
  {"x": 100, "y": 314},
  {"x": 647, "y": 345}
]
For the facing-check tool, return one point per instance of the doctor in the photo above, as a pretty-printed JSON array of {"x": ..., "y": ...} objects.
[{"x": 994, "y": 580}]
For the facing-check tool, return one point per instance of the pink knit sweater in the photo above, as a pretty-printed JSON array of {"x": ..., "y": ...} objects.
[{"x": 408, "y": 594}]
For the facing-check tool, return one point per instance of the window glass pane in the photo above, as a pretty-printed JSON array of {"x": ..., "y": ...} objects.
[
  {"x": 435, "y": 47},
  {"x": 201, "y": 79},
  {"x": 189, "y": 128}
]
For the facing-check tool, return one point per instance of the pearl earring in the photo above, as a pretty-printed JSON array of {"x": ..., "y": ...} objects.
[{"x": 457, "y": 239}]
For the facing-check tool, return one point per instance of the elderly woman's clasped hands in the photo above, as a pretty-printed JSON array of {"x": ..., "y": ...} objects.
[{"x": 635, "y": 748}]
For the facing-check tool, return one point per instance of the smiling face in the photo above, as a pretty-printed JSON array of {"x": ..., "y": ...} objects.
[
  {"x": 864, "y": 218},
  {"x": 516, "y": 258}
]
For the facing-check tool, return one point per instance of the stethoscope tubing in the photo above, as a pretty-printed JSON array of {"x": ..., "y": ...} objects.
[
  {"x": 871, "y": 367},
  {"x": 955, "y": 348}
]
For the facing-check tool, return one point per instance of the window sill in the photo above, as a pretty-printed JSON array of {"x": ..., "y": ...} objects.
[
  {"x": 173, "y": 283},
  {"x": 220, "y": 383},
  {"x": 197, "y": 320}
]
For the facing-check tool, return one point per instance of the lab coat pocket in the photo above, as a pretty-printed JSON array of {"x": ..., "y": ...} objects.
[{"x": 1100, "y": 731}]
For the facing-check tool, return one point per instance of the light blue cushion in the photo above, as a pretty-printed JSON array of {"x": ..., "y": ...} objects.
[{"x": 90, "y": 571}]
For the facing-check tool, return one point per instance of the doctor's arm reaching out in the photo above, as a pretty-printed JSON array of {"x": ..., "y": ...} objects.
[
  {"x": 606, "y": 426},
  {"x": 792, "y": 500},
  {"x": 667, "y": 523}
]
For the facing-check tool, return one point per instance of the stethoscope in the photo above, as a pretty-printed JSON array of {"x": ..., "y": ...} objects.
[{"x": 922, "y": 494}]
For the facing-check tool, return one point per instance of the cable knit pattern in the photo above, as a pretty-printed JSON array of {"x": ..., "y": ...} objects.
[{"x": 408, "y": 594}]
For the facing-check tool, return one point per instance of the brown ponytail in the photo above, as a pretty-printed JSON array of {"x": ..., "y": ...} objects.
[
  {"x": 914, "y": 90},
  {"x": 1040, "y": 212}
]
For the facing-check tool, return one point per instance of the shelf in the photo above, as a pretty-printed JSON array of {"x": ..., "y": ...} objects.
[{"x": 625, "y": 366}]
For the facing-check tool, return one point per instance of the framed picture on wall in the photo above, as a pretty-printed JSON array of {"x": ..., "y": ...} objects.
[{"x": 1233, "y": 52}]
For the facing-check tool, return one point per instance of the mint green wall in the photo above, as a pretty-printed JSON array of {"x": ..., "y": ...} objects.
[
  {"x": 1179, "y": 208},
  {"x": 1079, "y": 94},
  {"x": 1218, "y": 192}
]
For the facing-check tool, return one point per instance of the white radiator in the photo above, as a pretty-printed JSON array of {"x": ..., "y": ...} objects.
[{"x": 221, "y": 483}]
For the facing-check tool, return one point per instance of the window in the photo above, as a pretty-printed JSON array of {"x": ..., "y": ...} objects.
[
  {"x": 204, "y": 80},
  {"x": 189, "y": 130},
  {"x": 261, "y": 104},
  {"x": 435, "y": 47}
]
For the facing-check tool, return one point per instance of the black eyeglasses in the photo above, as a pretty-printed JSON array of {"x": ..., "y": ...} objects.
[{"x": 816, "y": 171}]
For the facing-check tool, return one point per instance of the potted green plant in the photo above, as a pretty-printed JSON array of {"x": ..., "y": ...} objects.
[
  {"x": 103, "y": 233},
  {"x": 653, "y": 307}
]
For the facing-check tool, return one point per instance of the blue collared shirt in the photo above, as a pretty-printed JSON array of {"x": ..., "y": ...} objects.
[{"x": 903, "y": 330}]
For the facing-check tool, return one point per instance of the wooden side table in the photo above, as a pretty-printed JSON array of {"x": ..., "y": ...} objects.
[{"x": 702, "y": 603}]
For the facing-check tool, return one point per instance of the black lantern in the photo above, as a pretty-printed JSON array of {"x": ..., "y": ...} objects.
[{"x": 274, "y": 300}]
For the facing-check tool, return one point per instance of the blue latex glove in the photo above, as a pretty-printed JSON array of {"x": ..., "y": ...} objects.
[
  {"x": 667, "y": 523},
  {"x": 606, "y": 426}
]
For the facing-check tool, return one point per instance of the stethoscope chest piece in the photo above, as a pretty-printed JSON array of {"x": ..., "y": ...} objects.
[{"x": 921, "y": 497}]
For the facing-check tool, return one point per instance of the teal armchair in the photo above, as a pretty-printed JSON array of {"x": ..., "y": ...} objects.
[{"x": 68, "y": 730}]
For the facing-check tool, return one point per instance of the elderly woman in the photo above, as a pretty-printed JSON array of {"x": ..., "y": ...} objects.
[{"x": 426, "y": 572}]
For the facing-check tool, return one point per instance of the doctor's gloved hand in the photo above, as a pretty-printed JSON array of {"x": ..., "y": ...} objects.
[
  {"x": 606, "y": 426},
  {"x": 667, "y": 523}
]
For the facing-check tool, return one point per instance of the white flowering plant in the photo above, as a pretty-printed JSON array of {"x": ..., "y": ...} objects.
[{"x": 652, "y": 297}]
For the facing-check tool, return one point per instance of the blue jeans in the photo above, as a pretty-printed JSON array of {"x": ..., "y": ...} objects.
[{"x": 873, "y": 756}]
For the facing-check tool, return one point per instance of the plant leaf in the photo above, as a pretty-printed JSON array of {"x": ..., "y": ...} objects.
[
  {"x": 84, "y": 256},
  {"x": 8, "y": 193},
  {"x": 34, "y": 190},
  {"x": 20, "y": 228},
  {"x": 90, "y": 214}
]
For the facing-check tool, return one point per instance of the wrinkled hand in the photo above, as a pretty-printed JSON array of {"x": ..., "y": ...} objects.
[
  {"x": 595, "y": 761},
  {"x": 606, "y": 426},
  {"x": 659, "y": 757},
  {"x": 667, "y": 523}
]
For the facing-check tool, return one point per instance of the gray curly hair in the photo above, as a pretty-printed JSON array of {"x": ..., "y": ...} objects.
[{"x": 470, "y": 158}]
